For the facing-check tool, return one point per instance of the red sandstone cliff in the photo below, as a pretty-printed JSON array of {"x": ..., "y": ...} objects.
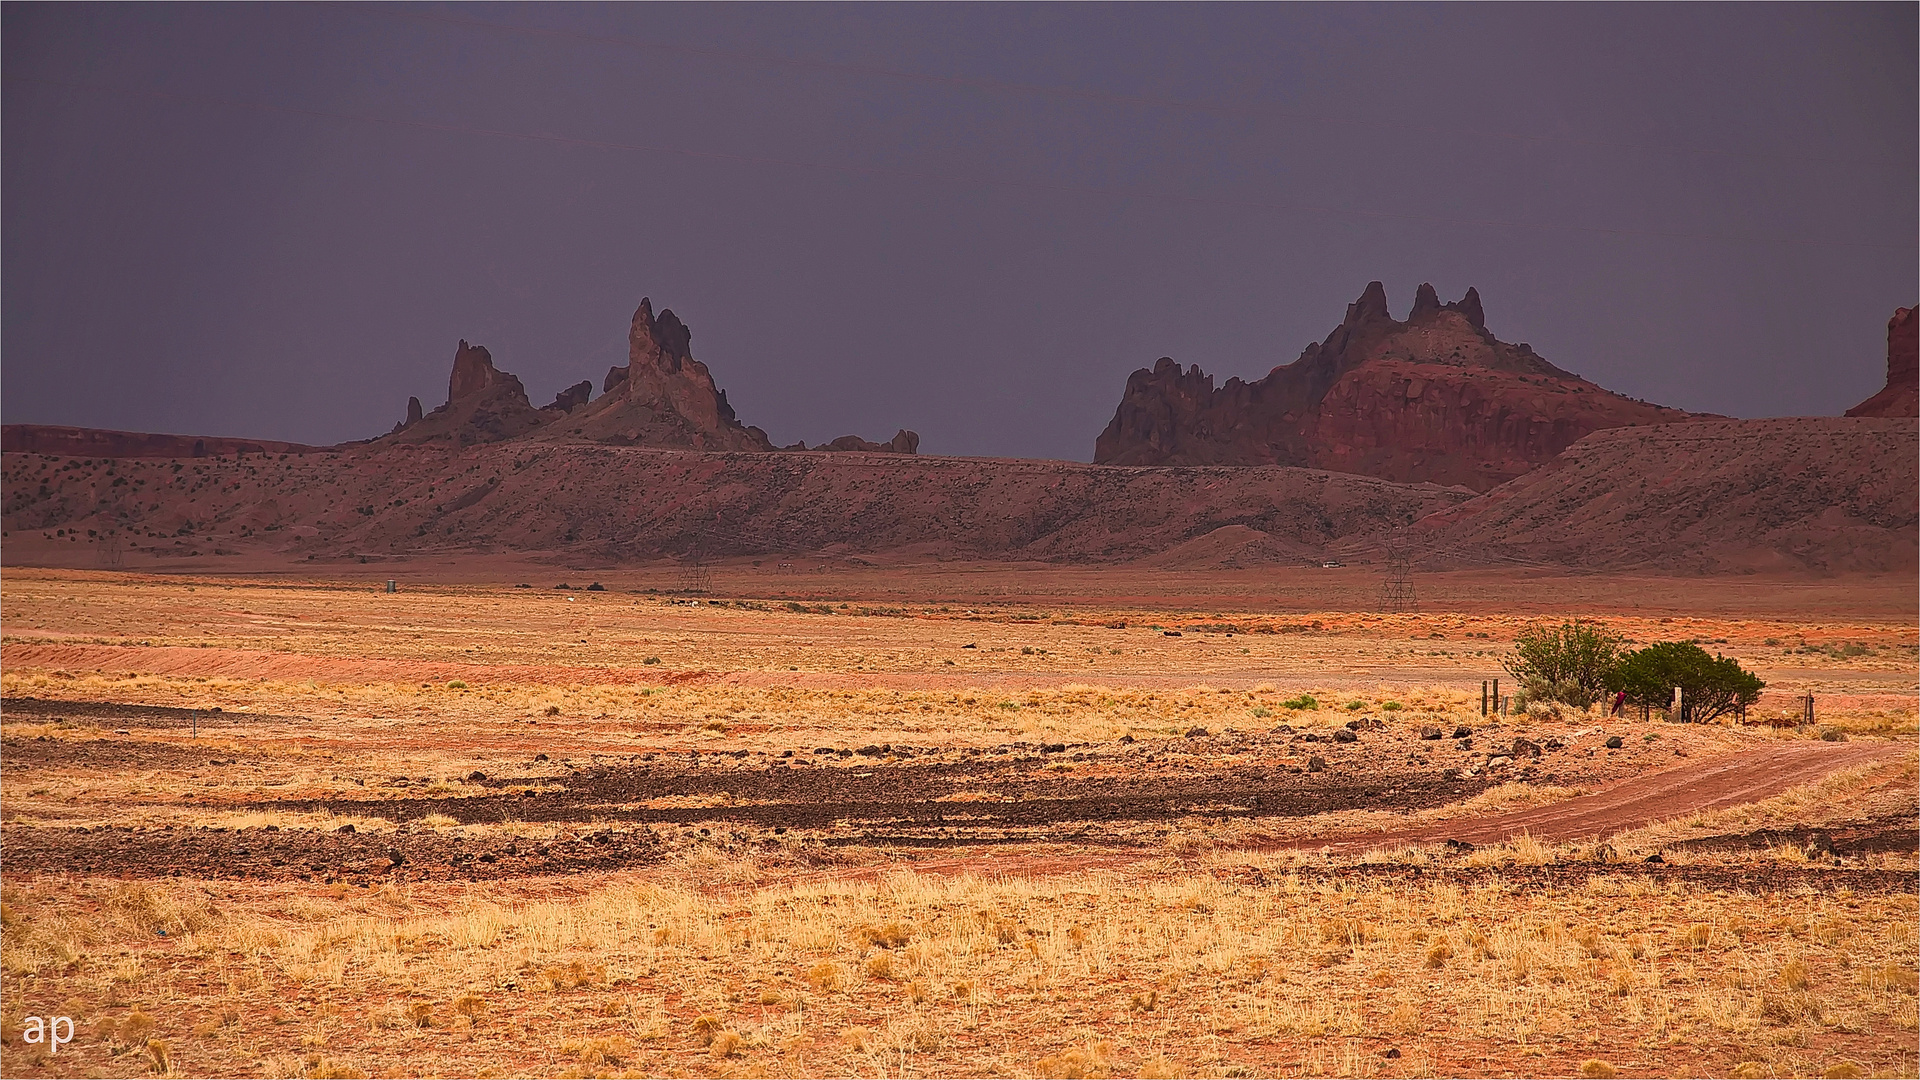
[
  {"x": 1901, "y": 396},
  {"x": 1435, "y": 397},
  {"x": 484, "y": 404},
  {"x": 663, "y": 397}
]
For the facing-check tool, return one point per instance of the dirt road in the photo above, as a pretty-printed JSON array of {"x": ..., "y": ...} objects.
[{"x": 1727, "y": 781}]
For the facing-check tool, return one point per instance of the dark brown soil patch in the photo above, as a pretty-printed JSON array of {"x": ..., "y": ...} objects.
[
  {"x": 953, "y": 798},
  {"x": 1888, "y": 834},
  {"x": 404, "y": 854},
  {"x": 113, "y": 713},
  {"x": 46, "y": 752}
]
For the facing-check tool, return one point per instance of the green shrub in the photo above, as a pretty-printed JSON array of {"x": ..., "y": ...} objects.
[
  {"x": 1710, "y": 685},
  {"x": 1356, "y": 706},
  {"x": 1304, "y": 701},
  {"x": 456, "y": 685},
  {"x": 1571, "y": 663},
  {"x": 1391, "y": 706},
  {"x": 1261, "y": 712}
]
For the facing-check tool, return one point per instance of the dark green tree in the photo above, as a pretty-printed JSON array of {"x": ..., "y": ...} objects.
[
  {"x": 1572, "y": 662},
  {"x": 1710, "y": 685}
]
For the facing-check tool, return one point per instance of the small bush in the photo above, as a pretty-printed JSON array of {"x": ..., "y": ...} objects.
[
  {"x": 456, "y": 685},
  {"x": 891, "y": 936},
  {"x": 1391, "y": 706},
  {"x": 824, "y": 976},
  {"x": 1571, "y": 663},
  {"x": 651, "y": 660},
  {"x": 1710, "y": 685},
  {"x": 1304, "y": 701},
  {"x": 1356, "y": 706}
]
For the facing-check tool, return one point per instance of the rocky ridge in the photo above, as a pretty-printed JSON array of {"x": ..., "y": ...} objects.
[
  {"x": 633, "y": 503},
  {"x": 1432, "y": 398},
  {"x": 1901, "y": 395},
  {"x": 662, "y": 397},
  {"x": 1819, "y": 494}
]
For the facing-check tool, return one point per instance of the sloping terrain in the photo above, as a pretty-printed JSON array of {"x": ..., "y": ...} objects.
[
  {"x": 1822, "y": 494},
  {"x": 628, "y": 502},
  {"x": 1435, "y": 398},
  {"x": 103, "y": 442}
]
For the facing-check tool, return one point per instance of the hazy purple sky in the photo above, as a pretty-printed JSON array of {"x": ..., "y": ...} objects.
[{"x": 973, "y": 221}]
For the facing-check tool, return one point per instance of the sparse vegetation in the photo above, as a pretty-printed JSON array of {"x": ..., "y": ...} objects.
[
  {"x": 1571, "y": 663},
  {"x": 1711, "y": 686},
  {"x": 1201, "y": 947}
]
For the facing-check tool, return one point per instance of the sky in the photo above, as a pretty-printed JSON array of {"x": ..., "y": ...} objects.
[{"x": 973, "y": 221}]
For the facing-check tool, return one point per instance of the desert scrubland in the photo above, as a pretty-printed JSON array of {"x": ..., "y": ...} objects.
[{"x": 843, "y": 820}]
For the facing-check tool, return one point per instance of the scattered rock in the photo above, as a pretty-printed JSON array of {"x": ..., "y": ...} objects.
[
  {"x": 1461, "y": 732},
  {"x": 1655, "y": 858},
  {"x": 476, "y": 776},
  {"x": 1316, "y": 763},
  {"x": 1196, "y": 732},
  {"x": 1342, "y": 735},
  {"x": 1459, "y": 846},
  {"x": 1525, "y": 748},
  {"x": 1365, "y": 723},
  {"x": 1430, "y": 733},
  {"x": 1614, "y": 742},
  {"x": 1499, "y": 762}
]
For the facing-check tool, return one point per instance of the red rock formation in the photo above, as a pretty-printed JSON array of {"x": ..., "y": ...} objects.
[
  {"x": 1901, "y": 396},
  {"x": 484, "y": 404},
  {"x": 663, "y": 397},
  {"x": 903, "y": 442},
  {"x": 102, "y": 443},
  {"x": 1434, "y": 398},
  {"x": 414, "y": 415},
  {"x": 573, "y": 396}
]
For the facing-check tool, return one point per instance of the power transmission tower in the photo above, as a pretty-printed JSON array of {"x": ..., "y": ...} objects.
[
  {"x": 694, "y": 575},
  {"x": 1396, "y": 594},
  {"x": 109, "y": 553}
]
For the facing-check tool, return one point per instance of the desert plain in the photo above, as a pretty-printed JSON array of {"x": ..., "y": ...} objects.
[{"x": 796, "y": 818}]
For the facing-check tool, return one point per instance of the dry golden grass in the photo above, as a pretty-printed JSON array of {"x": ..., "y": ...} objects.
[
  {"x": 1210, "y": 960},
  {"x": 1074, "y": 975}
]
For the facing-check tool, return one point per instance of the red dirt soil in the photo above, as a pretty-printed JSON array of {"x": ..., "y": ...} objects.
[{"x": 1737, "y": 778}]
